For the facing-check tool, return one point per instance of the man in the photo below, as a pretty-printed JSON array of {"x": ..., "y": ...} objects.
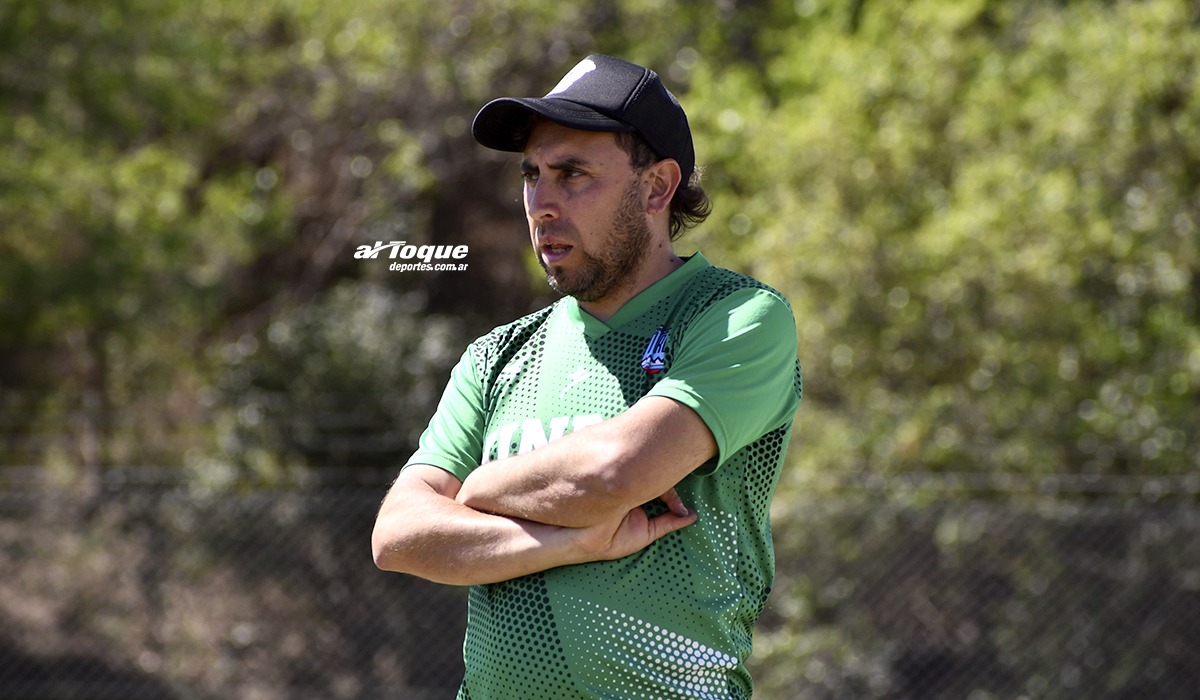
[{"x": 600, "y": 472}]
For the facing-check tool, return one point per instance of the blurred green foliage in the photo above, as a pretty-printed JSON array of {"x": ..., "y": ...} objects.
[
  {"x": 986, "y": 217},
  {"x": 985, "y": 213}
]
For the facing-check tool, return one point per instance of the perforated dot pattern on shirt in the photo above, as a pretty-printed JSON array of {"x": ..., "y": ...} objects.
[{"x": 672, "y": 621}]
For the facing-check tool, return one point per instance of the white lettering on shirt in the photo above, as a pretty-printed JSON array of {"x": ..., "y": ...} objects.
[{"x": 530, "y": 434}]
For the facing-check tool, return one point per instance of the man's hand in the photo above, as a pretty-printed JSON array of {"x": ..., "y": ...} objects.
[
  {"x": 633, "y": 532},
  {"x": 674, "y": 503}
]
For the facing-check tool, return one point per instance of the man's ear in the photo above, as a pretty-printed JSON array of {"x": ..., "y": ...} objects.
[{"x": 664, "y": 178}]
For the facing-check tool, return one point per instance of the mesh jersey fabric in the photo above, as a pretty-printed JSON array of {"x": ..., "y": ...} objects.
[{"x": 675, "y": 619}]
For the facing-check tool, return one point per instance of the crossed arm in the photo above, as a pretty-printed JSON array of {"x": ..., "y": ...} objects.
[{"x": 574, "y": 500}]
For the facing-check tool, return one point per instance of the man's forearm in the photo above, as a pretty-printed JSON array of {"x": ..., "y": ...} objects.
[
  {"x": 422, "y": 530},
  {"x": 447, "y": 542},
  {"x": 597, "y": 473},
  {"x": 543, "y": 487}
]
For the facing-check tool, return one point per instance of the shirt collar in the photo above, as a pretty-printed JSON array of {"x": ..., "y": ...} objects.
[{"x": 673, "y": 282}]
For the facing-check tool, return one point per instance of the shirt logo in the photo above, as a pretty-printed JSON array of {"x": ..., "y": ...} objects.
[
  {"x": 579, "y": 375},
  {"x": 654, "y": 360}
]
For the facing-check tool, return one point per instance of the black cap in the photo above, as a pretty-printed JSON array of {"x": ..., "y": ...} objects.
[{"x": 600, "y": 93}]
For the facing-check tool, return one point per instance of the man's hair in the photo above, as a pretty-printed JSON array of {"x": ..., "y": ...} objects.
[{"x": 690, "y": 206}]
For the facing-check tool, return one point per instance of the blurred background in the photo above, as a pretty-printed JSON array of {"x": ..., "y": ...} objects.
[{"x": 984, "y": 213}]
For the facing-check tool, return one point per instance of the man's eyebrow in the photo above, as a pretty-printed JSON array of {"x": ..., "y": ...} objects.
[{"x": 565, "y": 163}]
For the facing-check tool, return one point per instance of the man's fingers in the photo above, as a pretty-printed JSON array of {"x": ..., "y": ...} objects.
[
  {"x": 667, "y": 523},
  {"x": 675, "y": 503},
  {"x": 635, "y": 531}
]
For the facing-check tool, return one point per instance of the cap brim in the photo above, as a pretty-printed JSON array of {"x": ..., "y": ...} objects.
[{"x": 502, "y": 123}]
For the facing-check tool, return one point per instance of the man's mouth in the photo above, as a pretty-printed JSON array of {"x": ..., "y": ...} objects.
[{"x": 554, "y": 252}]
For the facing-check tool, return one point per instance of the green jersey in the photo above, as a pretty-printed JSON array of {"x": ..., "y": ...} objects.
[{"x": 675, "y": 619}]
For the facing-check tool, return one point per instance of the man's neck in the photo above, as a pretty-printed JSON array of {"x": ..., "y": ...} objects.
[{"x": 653, "y": 270}]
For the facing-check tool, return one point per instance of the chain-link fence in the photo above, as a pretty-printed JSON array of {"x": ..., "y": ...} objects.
[
  {"x": 150, "y": 588},
  {"x": 1015, "y": 594}
]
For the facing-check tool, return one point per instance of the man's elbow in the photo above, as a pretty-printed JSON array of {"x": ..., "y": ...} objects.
[
  {"x": 381, "y": 553},
  {"x": 387, "y": 548}
]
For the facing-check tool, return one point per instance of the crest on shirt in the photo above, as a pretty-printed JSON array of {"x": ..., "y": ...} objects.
[{"x": 654, "y": 360}]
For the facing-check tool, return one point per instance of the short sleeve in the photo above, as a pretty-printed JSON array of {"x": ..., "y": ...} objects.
[
  {"x": 736, "y": 367},
  {"x": 453, "y": 440}
]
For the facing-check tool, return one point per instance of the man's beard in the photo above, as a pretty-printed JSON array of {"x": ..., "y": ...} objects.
[{"x": 622, "y": 254}]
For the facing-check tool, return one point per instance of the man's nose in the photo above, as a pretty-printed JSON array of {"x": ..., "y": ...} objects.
[{"x": 541, "y": 203}]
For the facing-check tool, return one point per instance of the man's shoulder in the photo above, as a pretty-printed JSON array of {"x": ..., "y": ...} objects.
[
  {"x": 502, "y": 340},
  {"x": 714, "y": 284}
]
